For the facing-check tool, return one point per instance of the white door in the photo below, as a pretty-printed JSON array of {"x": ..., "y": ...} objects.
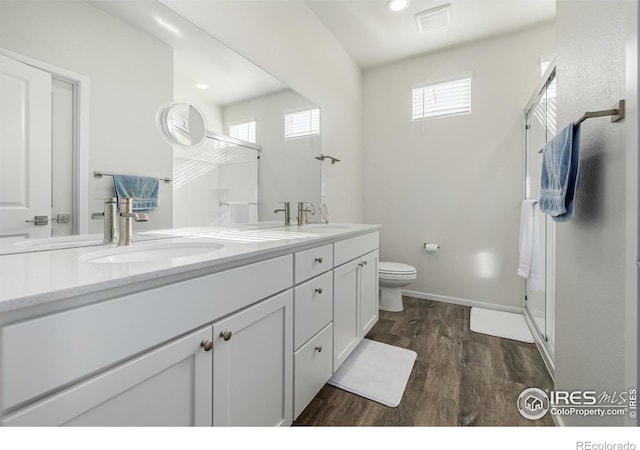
[
  {"x": 168, "y": 386},
  {"x": 25, "y": 150},
  {"x": 345, "y": 311},
  {"x": 368, "y": 274},
  {"x": 253, "y": 365}
]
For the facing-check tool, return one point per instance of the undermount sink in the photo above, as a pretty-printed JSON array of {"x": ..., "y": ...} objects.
[
  {"x": 164, "y": 251},
  {"x": 57, "y": 242}
]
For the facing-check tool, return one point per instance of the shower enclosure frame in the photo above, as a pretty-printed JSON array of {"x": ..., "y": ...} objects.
[{"x": 539, "y": 306}]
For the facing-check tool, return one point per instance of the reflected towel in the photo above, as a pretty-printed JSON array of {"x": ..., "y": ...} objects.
[
  {"x": 144, "y": 191},
  {"x": 239, "y": 213},
  {"x": 559, "y": 175},
  {"x": 530, "y": 266}
]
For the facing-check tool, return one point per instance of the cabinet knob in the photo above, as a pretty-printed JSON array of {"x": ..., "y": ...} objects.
[
  {"x": 364, "y": 263},
  {"x": 319, "y": 260},
  {"x": 319, "y": 290},
  {"x": 226, "y": 335},
  {"x": 319, "y": 348},
  {"x": 360, "y": 264},
  {"x": 207, "y": 345}
]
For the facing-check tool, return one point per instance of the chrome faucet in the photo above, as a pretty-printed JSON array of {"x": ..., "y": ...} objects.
[
  {"x": 302, "y": 211},
  {"x": 109, "y": 217},
  {"x": 287, "y": 213},
  {"x": 126, "y": 220}
]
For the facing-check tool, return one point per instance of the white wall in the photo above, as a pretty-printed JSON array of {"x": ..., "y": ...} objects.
[
  {"x": 130, "y": 77},
  {"x": 288, "y": 168},
  {"x": 288, "y": 40},
  {"x": 454, "y": 181},
  {"x": 596, "y": 251}
]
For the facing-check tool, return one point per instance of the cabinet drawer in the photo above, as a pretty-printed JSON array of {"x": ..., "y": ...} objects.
[
  {"x": 40, "y": 355},
  {"x": 310, "y": 263},
  {"x": 313, "y": 366},
  {"x": 353, "y": 248},
  {"x": 313, "y": 307}
]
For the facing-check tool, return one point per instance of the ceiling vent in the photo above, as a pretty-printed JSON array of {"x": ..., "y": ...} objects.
[{"x": 434, "y": 18}]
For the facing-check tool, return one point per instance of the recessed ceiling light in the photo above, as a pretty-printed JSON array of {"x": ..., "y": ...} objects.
[
  {"x": 397, "y": 5},
  {"x": 433, "y": 18},
  {"x": 202, "y": 86}
]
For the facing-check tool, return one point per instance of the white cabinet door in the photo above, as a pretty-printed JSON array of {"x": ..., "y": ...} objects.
[
  {"x": 355, "y": 304},
  {"x": 25, "y": 150},
  {"x": 168, "y": 386},
  {"x": 368, "y": 284},
  {"x": 253, "y": 365},
  {"x": 345, "y": 311}
]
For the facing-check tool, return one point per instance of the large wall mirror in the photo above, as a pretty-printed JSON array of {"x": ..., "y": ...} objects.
[{"x": 83, "y": 82}]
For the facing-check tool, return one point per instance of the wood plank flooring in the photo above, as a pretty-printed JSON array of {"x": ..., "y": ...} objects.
[{"x": 460, "y": 378}]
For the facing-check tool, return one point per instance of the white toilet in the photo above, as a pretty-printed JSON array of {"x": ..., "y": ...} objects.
[{"x": 392, "y": 277}]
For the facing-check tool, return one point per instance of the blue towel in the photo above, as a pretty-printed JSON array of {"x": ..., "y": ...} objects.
[
  {"x": 559, "y": 177},
  {"x": 144, "y": 191}
]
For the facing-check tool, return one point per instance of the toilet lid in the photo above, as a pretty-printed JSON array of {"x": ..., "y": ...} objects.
[{"x": 394, "y": 267}]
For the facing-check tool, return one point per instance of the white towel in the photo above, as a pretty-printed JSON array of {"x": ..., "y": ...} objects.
[
  {"x": 239, "y": 213},
  {"x": 530, "y": 242}
]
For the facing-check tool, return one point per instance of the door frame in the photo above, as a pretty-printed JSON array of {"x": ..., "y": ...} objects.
[{"x": 80, "y": 168}]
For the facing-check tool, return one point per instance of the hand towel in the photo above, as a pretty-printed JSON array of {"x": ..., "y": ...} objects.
[
  {"x": 238, "y": 213},
  {"x": 530, "y": 264},
  {"x": 144, "y": 191},
  {"x": 559, "y": 175}
]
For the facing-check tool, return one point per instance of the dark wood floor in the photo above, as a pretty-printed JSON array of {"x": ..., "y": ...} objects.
[{"x": 459, "y": 378}]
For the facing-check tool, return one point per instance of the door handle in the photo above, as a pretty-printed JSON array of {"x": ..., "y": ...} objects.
[
  {"x": 39, "y": 221},
  {"x": 64, "y": 218}
]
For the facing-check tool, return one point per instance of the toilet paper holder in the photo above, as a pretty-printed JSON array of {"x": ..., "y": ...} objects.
[{"x": 430, "y": 247}]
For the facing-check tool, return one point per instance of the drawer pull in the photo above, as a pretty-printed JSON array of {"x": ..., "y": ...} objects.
[
  {"x": 226, "y": 335},
  {"x": 319, "y": 290},
  {"x": 319, "y": 260},
  {"x": 319, "y": 348},
  {"x": 207, "y": 345}
]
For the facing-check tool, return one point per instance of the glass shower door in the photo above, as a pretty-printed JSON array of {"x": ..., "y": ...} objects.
[
  {"x": 535, "y": 300},
  {"x": 541, "y": 126}
]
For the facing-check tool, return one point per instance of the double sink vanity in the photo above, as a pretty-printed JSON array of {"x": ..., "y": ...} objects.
[{"x": 194, "y": 326}]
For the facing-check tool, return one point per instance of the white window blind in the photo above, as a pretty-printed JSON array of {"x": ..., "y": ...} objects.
[
  {"x": 245, "y": 131},
  {"x": 442, "y": 99},
  {"x": 302, "y": 123}
]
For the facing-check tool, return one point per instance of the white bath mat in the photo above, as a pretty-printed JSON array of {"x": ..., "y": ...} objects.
[
  {"x": 376, "y": 371},
  {"x": 501, "y": 324}
]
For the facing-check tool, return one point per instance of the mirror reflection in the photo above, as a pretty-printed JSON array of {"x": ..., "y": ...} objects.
[{"x": 87, "y": 79}]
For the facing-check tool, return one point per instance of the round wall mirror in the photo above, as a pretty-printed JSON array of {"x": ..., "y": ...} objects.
[{"x": 182, "y": 124}]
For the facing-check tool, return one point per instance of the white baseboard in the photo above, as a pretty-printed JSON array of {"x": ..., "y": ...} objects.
[{"x": 463, "y": 301}]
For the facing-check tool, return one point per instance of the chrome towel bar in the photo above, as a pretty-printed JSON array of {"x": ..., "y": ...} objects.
[
  {"x": 97, "y": 174},
  {"x": 616, "y": 113}
]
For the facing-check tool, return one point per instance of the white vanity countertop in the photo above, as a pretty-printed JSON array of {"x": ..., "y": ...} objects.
[{"x": 30, "y": 279}]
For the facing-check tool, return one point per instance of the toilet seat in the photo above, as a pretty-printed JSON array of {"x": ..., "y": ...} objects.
[{"x": 395, "y": 270}]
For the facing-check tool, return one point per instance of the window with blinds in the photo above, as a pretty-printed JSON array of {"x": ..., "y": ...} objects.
[
  {"x": 450, "y": 98},
  {"x": 302, "y": 123},
  {"x": 245, "y": 131}
]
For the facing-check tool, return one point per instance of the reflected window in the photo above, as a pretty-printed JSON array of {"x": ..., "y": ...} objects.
[
  {"x": 302, "y": 123},
  {"x": 245, "y": 131}
]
